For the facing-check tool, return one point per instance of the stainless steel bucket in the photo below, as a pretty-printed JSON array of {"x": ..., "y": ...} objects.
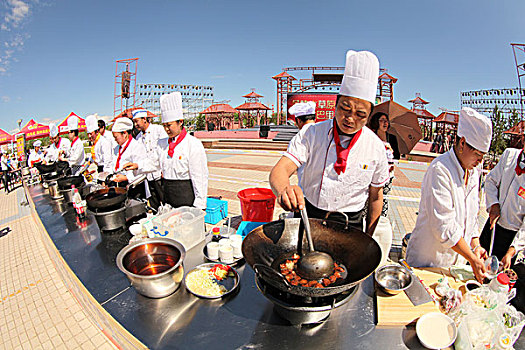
[{"x": 53, "y": 190}]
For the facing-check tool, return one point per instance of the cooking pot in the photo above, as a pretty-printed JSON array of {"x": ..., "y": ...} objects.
[
  {"x": 153, "y": 266},
  {"x": 65, "y": 183},
  {"x": 45, "y": 168},
  {"x": 271, "y": 244},
  {"x": 110, "y": 198},
  {"x": 53, "y": 190}
]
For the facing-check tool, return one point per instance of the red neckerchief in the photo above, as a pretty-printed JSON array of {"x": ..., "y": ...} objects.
[
  {"x": 342, "y": 153},
  {"x": 120, "y": 151},
  {"x": 75, "y": 140},
  {"x": 58, "y": 146},
  {"x": 174, "y": 144},
  {"x": 519, "y": 170}
]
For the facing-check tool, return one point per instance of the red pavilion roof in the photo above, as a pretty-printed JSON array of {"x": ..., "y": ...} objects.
[
  {"x": 35, "y": 130},
  {"x": 5, "y": 137},
  {"x": 423, "y": 113},
  {"x": 447, "y": 117},
  {"x": 283, "y": 75},
  {"x": 219, "y": 108},
  {"x": 253, "y": 94},
  {"x": 419, "y": 100},
  {"x": 252, "y": 106},
  {"x": 516, "y": 129},
  {"x": 387, "y": 76},
  {"x": 62, "y": 127}
]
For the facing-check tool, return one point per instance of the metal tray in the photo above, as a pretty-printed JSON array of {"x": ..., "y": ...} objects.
[
  {"x": 231, "y": 283},
  {"x": 236, "y": 261}
]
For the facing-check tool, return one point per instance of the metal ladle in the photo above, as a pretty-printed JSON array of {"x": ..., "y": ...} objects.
[
  {"x": 492, "y": 262},
  {"x": 313, "y": 265}
]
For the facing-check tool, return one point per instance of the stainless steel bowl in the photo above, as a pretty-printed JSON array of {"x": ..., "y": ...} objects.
[
  {"x": 153, "y": 266},
  {"x": 393, "y": 279}
]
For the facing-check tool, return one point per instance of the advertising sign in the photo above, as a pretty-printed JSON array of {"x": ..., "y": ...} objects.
[
  {"x": 324, "y": 104},
  {"x": 20, "y": 145}
]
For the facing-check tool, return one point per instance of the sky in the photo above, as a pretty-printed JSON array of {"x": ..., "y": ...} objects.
[{"x": 58, "y": 56}]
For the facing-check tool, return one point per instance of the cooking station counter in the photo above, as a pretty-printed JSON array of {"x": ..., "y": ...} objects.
[{"x": 243, "y": 320}]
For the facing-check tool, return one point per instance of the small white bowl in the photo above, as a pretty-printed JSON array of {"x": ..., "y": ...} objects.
[
  {"x": 135, "y": 229},
  {"x": 436, "y": 330}
]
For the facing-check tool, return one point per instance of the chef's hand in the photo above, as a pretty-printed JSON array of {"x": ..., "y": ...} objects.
[
  {"x": 119, "y": 178},
  {"x": 291, "y": 198},
  {"x": 478, "y": 266},
  {"x": 481, "y": 253},
  {"x": 507, "y": 259},
  {"x": 494, "y": 214},
  {"x": 130, "y": 166}
]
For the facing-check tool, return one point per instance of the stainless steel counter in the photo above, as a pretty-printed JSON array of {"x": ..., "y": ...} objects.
[{"x": 244, "y": 320}]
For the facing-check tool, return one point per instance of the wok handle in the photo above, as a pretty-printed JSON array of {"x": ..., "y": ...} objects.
[
  {"x": 137, "y": 181},
  {"x": 267, "y": 271},
  {"x": 337, "y": 212}
]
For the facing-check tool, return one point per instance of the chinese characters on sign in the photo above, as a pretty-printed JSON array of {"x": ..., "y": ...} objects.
[{"x": 324, "y": 104}]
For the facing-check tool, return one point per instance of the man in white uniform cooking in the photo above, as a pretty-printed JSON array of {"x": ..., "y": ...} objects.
[
  {"x": 344, "y": 162},
  {"x": 36, "y": 155},
  {"x": 304, "y": 113},
  {"x": 76, "y": 153},
  {"x": 149, "y": 135},
  {"x": 102, "y": 148},
  {"x": 182, "y": 158},
  {"x": 59, "y": 146},
  {"x": 447, "y": 226}
]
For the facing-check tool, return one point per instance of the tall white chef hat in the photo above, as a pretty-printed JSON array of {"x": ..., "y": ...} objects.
[
  {"x": 122, "y": 124},
  {"x": 360, "y": 77},
  {"x": 72, "y": 123},
  {"x": 171, "y": 107},
  {"x": 37, "y": 143},
  {"x": 475, "y": 128},
  {"x": 302, "y": 108},
  {"x": 140, "y": 113},
  {"x": 53, "y": 130},
  {"x": 91, "y": 123}
]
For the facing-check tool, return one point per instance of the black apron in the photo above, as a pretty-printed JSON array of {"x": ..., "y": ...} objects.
[
  {"x": 178, "y": 193},
  {"x": 157, "y": 197},
  {"x": 100, "y": 168},
  {"x": 502, "y": 239},
  {"x": 355, "y": 219}
]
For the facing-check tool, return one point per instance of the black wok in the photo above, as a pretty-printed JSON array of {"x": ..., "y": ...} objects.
[
  {"x": 52, "y": 176},
  {"x": 269, "y": 245},
  {"x": 107, "y": 198},
  {"x": 45, "y": 168},
  {"x": 65, "y": 183},
  {"x": 63, "y": 167}
]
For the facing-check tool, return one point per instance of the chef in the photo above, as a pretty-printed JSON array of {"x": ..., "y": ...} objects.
[
  {"x": 59, "y": 146},
  {"x": 101, "y": 150},
  {"x": 129, "y": 158},
  {"x": 149, "y": 135},
  {"x": 446, "y": 226},
  {"x": 36, "y": 155},
  {"x": 76, "y": 153},
  {"x": 344, "y": 162},
  {"x": 182, "y": 158},
  {"x": 505, "y": 199},
  {"x": 5, "y": 170},
  {"x": 304, "y": 113}
]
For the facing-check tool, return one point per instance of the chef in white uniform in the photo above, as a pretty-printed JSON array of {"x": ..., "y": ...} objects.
[
  {"x": 59, "y": 146},
  {"x": 101, "y": 149},
  {"x": 182, "y": 158},
  {"x": 304, "y": 113},
  {"x": 446, "y": 225},
  {"x": 149, "y": 135},
  {"x": 129, "y": 158},
  {"x": 76, "y": 153},
  {"x": 36, "y": 155},
  {"x": 505, "y": 199},
  {"x": 344, "y": 162}
]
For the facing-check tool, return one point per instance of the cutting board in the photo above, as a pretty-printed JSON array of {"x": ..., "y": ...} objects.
[{"x": 397, "y": 310}]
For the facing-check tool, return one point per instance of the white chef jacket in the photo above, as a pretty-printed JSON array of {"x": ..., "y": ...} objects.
[
  {"x": 52, "y": 151},
  {"x": 315, "y": 150},
  {"x": 502, "y": 186},
  {"x": 301, "y": 168},
  {"x": 35, "y": 157},
  {"x": 189, "y": 162},
  {"x": 3, "y": 160},
  {"x": 104, "y": 152},
  {"x": 134, "y": 153},
  {"x": 448, "y": 211},
  {"x": 153, "y": 134},
  {"x": 76, "y": 153}
]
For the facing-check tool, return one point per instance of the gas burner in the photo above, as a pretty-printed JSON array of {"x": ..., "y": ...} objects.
[
  {"x": 110, "y": 220},
  {"x": 300, "y": 310}
]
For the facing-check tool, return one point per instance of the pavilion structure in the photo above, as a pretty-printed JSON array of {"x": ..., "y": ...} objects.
[
  {"x": 425, "y": 117},
  {"x": 252, "y": 111},
  {"x": 385, "y": 86},
  {"x": 516, "y": 135},
  {"x": 284, "y": 86},
  {"x": 221, "y": 116},
  {"x": 447, "y": 121}
]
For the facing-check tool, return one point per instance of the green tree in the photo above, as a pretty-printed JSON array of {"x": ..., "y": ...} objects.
[
  {"x": 499, "y": 125},
  {"x": 200, "y": 122}
]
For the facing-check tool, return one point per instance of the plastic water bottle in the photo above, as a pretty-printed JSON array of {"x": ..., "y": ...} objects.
[{"x": 77, "y": 202}]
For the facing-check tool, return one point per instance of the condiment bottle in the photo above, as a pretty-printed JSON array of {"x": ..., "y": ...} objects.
[
  {"x": 216, "y": 234},
  {"x": 500, "y": 284}
]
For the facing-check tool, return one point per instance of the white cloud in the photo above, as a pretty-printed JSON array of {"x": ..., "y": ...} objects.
[
  {"x": 17, "y": 11},
  {"x": 11, "y": 24},
  {"x": 6, "y": 99}
]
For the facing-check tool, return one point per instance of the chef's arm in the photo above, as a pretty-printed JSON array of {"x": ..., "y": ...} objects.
[
  {"x": 375, "y": 206},
  {"x": 290, "y": 197},
  {"x": 493, "y": 182},
  {"x": 477, "y": 264},
  {"x": 518, "y": 243}
]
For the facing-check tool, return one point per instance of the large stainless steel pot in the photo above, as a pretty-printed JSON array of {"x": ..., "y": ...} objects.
[
  {"x": 110, "y": 220},
  {"x": 154, "y": 266},
  {"x": 53, "y": 190}
]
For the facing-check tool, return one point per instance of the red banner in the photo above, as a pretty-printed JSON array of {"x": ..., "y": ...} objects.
[{"x": 324, "y": 104}]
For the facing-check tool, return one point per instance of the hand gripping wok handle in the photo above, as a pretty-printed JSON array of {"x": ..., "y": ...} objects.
[
  {"x": 137, "y": 181},
  {"x": 267, "y": 271}
]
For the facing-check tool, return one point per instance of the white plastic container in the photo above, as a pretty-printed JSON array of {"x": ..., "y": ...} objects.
[{"x": 184, "y": 224}]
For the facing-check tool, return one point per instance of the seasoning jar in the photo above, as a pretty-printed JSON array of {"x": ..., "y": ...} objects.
[
  {"x": 216, "y": 234},
  {"x": 500, "y": 284}
]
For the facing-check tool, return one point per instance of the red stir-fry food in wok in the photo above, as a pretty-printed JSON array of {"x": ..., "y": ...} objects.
[{"x": 289, "y": 267}]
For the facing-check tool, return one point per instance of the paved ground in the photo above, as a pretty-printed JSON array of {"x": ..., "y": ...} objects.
[{"x": 38, "y": 311}]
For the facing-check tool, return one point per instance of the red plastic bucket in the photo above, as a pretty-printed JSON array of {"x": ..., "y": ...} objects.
[{"x": 257, "y": 204}]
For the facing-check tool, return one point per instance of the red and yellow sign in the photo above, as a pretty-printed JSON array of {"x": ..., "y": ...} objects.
[
  {"x": 324, "y": 104},
  {"x": 521, "y": 192},
  {"x": 20, "y": 144}
]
